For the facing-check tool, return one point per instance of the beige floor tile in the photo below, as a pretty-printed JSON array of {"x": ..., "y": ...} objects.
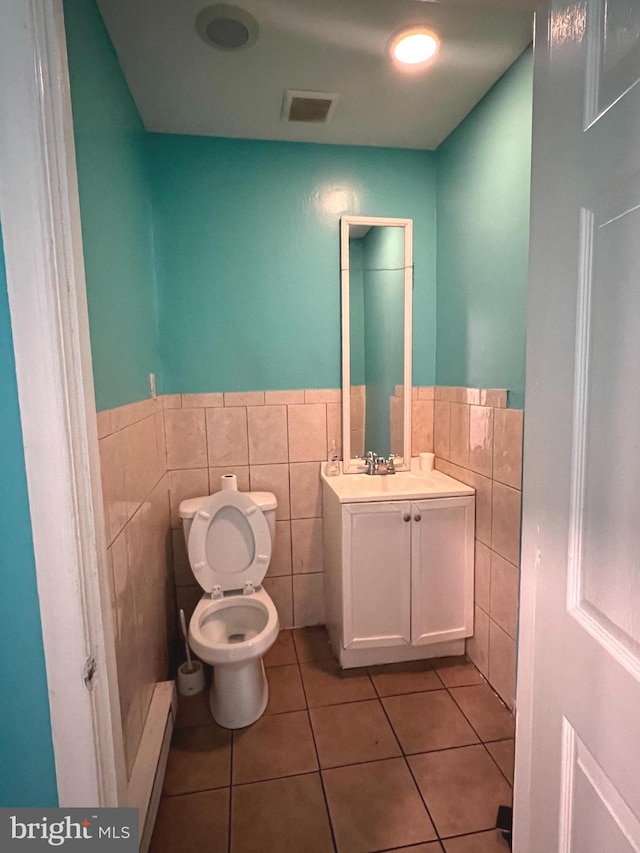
[
  {"x": 280, "y": 816},
  {"x": 427, "y": 721},
  {"x": 486, "y": 713},
  {"x": 503, "y": 753},
  {"x": 326, "y": 684},
  {"x": 312, "y": 644},
  {"x": 457, "y": 671},
  {"x": 462, "y": 789},
  {"x": 375, "y": 805},
  {"x": 352, "y": 733},
  {"x": 282, "y": 652},
  {"x": 479, "y": 842},
  {"x": 285, "y": 689},
  {"x": 274, "y": 746},
  {"x": 194, "y": 710},
  {"x": 432, "y": 847},
  {"x": 199, "y": 759},
  {"x": 192, "y": 823},
  {"x": 410, "y": 677}
]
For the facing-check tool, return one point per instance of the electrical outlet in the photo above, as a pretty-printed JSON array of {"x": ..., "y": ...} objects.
[{"x": 152, "y": 383}]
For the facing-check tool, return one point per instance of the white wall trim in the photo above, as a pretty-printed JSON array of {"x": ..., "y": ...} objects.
[
  {"x": 45, "y": 276},
  {"x": 524, "y": 831},
  {"x": 351, "y": 465}
]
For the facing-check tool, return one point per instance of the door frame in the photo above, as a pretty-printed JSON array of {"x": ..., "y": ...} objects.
[
  {"x": 534, "y": 439},
  {"x": 40, "y": 212}
]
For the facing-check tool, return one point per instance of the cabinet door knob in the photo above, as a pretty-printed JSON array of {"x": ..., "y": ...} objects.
[
  {"x": 417, "y": 517},
  {"x": 406, "y": 517}
]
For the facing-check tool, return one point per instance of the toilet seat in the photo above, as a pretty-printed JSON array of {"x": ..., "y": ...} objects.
[
  {"x": 229, "y": 544},
  {"x": 223, "y": 645}
]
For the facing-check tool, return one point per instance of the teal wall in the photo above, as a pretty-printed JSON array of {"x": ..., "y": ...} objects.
[
  {"x": 383, "y": 285},
  {"x": 483, "y": 239},
  {"x": 27, "y": 773},
  {"x": 231, "y": 281},
  {"x": 115, "y": 206},
  {"x": 247, "y": 251}
]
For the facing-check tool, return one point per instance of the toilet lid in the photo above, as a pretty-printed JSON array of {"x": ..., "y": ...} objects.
[{"x": 229, "y": 542}]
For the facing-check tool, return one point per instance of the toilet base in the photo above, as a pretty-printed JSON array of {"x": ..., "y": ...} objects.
[{"x": 239, "y": 693}]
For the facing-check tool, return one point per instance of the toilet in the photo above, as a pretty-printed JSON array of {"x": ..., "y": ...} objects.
[{"x": 229, "y": 538}]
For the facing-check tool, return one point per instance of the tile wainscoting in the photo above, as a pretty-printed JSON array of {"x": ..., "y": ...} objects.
[
  {"x": 273, "y": 441},
  {"x": 136, "y": 505},
  {"x": 156, "y": 453},
  {"x": 479, "y": 442}
]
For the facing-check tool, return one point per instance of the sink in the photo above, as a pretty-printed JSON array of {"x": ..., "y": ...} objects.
[{"x": 404, "y": 485}]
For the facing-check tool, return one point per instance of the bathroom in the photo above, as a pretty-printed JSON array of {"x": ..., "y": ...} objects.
[{"x": 162, "y": 215}]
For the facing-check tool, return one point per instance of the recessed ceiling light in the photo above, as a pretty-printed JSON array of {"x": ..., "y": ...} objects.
[
  {"x": 227, "y": 27},
  {"x": 414, "y": 46}
]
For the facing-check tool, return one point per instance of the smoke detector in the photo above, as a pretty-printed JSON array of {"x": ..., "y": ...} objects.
[
  {"x": 309, "y": 107},
  {"x": 227, "y": 27}
]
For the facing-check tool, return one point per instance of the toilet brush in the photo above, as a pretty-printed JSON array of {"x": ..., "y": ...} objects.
[
  {"x": 191, "y": 673},
  {"x": 185, "y": 637}
]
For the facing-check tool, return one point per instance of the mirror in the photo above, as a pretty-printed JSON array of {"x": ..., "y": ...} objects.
[{"x": 377, "y": 277}]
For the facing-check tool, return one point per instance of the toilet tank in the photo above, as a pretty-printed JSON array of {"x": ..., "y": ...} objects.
[{"x": 265, "y": 501}]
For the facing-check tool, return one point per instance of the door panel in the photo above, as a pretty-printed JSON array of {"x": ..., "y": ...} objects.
[
  {"x": 604, "y": 557},
  {"x": 614, "y": 54},
  {"x": 578, "y": 695},
  {"x": 377, "y": 582},
  {"x": 442, "y": 570},
  {"x": 597, "y": 817}
]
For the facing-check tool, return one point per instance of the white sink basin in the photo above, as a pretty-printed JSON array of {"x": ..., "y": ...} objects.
[{"x": 405, "y": 485}]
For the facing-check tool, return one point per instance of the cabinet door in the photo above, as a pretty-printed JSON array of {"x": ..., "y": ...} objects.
[
  {"x": 442, "y": 569},
  {"x": 377, "y": 574}
]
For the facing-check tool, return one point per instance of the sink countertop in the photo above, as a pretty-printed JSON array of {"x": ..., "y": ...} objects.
[{"x": 404, "y": 485}]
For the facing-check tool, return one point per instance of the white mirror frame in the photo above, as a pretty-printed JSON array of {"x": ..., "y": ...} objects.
[{"x": 355, "y": 465}]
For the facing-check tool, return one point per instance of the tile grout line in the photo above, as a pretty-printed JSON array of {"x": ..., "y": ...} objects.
[
  {"x": 233, "y": 738},
  {"x": 404, "y": 756},
  {"x": 482, "y": 741},
  {"x": 315, "y": 746}
]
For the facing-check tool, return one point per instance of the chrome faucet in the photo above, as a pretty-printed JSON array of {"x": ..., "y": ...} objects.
[
  {"x": 378, "y": 464},
  {"x": 371, "y": 462}
]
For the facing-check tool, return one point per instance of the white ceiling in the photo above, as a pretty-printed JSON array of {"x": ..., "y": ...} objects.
[{"x": 182, "y": 85}]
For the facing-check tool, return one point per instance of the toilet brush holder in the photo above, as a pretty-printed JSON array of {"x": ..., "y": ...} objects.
[{"x": 190, "y": 678}]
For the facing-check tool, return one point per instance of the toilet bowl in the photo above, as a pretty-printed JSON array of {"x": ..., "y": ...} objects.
[{"x": 229, "y": 538}]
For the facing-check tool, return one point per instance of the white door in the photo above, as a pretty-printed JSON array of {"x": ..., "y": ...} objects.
[
  {"x": 577, "y": 782},
  {"x": 377, "y": 574},
  {"x": 442, "y": 570}
]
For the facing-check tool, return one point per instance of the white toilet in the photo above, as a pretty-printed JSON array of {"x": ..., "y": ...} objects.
[{"x": 229, "y": 537}]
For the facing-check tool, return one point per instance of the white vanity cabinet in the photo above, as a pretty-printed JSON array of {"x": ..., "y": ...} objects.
[{"x": 399, "y": 573}]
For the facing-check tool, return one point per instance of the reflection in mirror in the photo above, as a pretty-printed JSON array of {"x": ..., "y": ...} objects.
[{"x": 376, "y": 279}]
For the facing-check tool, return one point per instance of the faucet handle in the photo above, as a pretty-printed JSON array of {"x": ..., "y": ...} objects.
[
  {"x": 371, "y": 461},
  {"x": 391, "y": 464}
]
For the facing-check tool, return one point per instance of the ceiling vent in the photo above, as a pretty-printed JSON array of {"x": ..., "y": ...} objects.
[{"x": 309, "y": 107}]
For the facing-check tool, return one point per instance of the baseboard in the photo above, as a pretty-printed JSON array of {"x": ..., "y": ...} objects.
[{"x": 147, "y": 776}]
